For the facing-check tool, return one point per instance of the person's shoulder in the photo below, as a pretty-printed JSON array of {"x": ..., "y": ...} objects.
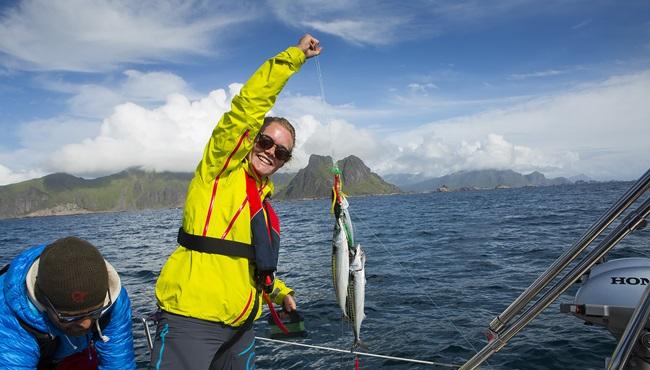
[
  {"x": 15, "y": 338},
  {"x": 28, "y": 255}
]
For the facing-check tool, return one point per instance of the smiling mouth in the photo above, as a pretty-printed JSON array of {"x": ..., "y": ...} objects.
[{"x": 264, "y": 159}]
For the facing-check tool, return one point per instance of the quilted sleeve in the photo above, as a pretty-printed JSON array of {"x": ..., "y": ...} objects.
[
  {"x": 18, "y": 348},
  {"x": 117, "y": 353}
]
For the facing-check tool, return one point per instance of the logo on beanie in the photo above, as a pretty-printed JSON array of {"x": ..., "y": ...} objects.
[{"x": 79, "y": 296}]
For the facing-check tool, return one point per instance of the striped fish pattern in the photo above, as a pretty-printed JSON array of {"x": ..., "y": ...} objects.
[
  {"x": 356, "y": 298},
  {"x": 348, "y": 265}
]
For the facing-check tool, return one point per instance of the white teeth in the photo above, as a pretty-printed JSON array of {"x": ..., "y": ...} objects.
[{"x": 265, "y": 160}]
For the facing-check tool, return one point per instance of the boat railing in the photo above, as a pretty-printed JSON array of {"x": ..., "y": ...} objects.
[
  {"x": 150, "y": 319},
  {"x": 633, "y": 330},
  {"x": 512, "y": 320}
]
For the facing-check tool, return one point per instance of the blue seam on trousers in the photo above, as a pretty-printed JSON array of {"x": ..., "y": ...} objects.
[
  {"x": 248, "y": 349},
  {"x": 163, "y": 333},
  {"x": 248, "y": 362}
]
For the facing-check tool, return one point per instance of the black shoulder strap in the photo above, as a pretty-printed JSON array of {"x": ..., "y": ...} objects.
[
  {"x": 4, "y": 269},
  {"x": 104, "y": 320},
  {"x": 207, "y": 244},
  {"x": 47, "y": 344}
]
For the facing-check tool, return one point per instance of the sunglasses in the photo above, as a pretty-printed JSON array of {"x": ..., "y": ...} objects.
[
  {"x": 66, "y": 319},
  {"x": 266, "y": 142}
]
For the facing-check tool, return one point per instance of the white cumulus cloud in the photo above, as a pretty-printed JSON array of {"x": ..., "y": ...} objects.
[
  {"x": 599, "y": 129},
  {"x": 8, "y": 176},
  {"x": 170, "y": 137}
]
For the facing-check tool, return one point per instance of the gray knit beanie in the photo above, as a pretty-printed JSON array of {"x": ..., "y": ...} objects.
[{"x": 73, "y": 275}]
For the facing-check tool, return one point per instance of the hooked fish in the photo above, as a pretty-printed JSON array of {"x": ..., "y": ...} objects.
[
  {"x": 342, "y": 248},
  {"x": 348, "y": 264},
  {"x": 356, "y": 298},
  {"x": 340, "y": 259}
]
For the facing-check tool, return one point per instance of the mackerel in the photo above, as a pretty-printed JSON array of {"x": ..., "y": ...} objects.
[
  {"x": 348, "y": 264},
  {"x": 356, "y": 299},
  {"x": 341, "y": 253}
]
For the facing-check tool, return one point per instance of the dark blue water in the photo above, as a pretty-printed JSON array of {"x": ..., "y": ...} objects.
[{"x": 439, "y": 268}]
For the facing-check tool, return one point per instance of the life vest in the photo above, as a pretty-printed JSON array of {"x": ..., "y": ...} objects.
[{"x": 265, "y": 231}]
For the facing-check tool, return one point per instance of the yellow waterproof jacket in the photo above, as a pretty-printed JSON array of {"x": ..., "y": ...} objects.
[{"x": 211, "y": 286}]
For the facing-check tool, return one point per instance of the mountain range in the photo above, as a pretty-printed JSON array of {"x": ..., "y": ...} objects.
[
  {"x": 482, "y": 179},
  {"x": 135, "y": 189},
  {"x": 61, "y": 193}
]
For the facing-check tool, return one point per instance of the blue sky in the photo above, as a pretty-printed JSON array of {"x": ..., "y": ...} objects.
[{"x": 423, "y": 87}]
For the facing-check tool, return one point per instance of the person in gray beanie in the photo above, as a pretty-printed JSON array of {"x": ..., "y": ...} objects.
[{"x": 62, "y": 307}]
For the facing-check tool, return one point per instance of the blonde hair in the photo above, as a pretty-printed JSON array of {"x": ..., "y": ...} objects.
[{"x": 282, "y": 122}]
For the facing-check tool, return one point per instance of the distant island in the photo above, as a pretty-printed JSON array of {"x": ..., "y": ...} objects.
[
  {"x": 135, "y": 189},
  {"x": 478, "y": 180}
]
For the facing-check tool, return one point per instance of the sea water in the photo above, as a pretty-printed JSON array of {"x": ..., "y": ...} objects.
[{"x": 440, "y": 267}]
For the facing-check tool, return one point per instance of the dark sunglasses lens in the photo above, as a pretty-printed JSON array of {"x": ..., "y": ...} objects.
[
  {"x": 281, "y": 153},
  {"x": 67, "y": 320},
  {"x": 96, "y": 314},
  {"x": 265, "y": 142}
]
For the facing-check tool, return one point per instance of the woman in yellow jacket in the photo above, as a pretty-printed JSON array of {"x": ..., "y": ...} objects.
[{"x": 210, "y": 289}]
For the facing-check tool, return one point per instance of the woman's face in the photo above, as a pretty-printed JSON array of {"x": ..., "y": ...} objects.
[{"x": 264, "y": 161}]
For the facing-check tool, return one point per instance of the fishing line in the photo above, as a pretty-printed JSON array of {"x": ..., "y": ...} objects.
[
  {"x": 404, "y": 359},
  {"x": 319, "y": 72}
]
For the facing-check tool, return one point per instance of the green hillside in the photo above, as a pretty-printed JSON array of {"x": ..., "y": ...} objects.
[{"x": 62, "y": 193}]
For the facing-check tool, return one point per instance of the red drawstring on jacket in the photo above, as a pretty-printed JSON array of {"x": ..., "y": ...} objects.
[{"x": 274, "y": 314}]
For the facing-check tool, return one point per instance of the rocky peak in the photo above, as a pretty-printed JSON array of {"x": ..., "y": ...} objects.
[
  {"x": 315, "y": 180},
  {"x": 354, "y": 169}
]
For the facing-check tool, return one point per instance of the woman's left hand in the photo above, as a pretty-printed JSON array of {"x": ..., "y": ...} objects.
[{"x": 289, "y": 303}]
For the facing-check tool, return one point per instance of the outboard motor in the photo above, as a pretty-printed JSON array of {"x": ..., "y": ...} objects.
[{"x": 608, "y": 296}]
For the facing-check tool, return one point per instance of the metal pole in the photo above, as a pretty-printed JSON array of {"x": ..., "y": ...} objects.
[
  {"x": 608, "y": 243},
  {"x": 631, "y": 334},
  {"x": 639, "y": 187},
  {"x": 147, "y": 333}
]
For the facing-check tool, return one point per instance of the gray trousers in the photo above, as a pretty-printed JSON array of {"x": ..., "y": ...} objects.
[{"x": 185, "y": 343}]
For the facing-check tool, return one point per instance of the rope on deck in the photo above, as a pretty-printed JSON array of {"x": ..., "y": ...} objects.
[{"x": 360, "y": 353}]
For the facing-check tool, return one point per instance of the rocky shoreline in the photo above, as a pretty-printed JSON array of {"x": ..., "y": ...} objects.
[{"x": 60, "y": 210}]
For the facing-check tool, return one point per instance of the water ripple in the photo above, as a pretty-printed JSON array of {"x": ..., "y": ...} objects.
[{"x": 440, "y": 267}]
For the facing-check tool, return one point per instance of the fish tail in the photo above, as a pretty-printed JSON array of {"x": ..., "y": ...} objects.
[{"x": 359, "y": 344}]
